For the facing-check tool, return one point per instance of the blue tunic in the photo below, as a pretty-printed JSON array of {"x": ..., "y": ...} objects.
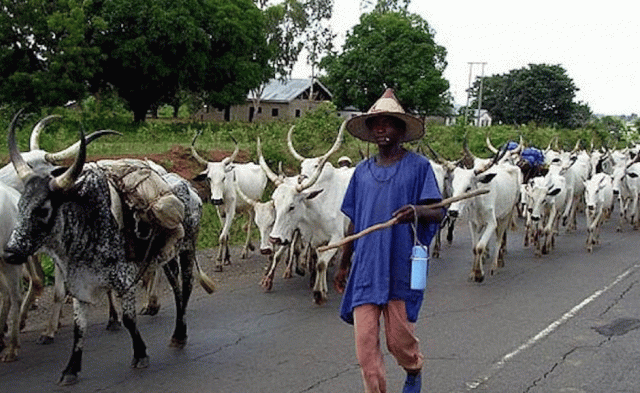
[{"x": 381, "y": 267}]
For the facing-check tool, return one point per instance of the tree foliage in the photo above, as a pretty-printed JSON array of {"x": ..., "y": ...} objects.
[
  {"x": 145, "y": 50},
  {"x": 393, "y": 49},
  {"x": 44, "y": 59},
  {"x": 540, "y": 93}
]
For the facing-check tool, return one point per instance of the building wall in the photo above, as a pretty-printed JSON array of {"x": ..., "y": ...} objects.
[{"x": 268, "y": 111}]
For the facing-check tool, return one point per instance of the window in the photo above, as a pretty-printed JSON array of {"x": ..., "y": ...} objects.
[
  {"x": 297, "y": 112},
  {"x": 274, "y": 112}
]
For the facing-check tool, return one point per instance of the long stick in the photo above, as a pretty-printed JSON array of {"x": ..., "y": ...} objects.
[{"x": 394, "y": 220}]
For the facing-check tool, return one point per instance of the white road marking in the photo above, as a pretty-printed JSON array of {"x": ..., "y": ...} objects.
[{"x": 482, "y": 378}]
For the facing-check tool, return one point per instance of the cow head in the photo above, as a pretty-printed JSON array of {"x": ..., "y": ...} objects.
[
  {"x": 291, "y": 204},
  {"x": 43, "y": 194},
  {"x": 264, "y": 218},
  {"x": 215, "y": 172}
]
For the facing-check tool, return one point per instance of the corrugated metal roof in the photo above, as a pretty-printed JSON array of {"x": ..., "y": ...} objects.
[{"x": 286, "y": 91}]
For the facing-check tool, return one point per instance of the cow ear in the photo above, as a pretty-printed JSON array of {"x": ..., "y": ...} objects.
[
  {"x": 313, "y": 194},
  {"x": 202, "y": 176},
  {"x": 554, "y": 192},
  {"x": 487, "y": 178}
]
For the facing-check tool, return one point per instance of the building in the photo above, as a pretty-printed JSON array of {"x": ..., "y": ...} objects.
[{"x": 279, "y": 101}]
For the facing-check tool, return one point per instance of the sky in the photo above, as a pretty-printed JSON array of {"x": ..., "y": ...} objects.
[{"x": 597, "y": 43}]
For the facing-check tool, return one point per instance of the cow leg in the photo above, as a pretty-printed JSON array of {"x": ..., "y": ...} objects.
[
  {"x": 36, "y": 285},
  {"x": 437, "y": 243},
  {"x": 12, "y": 274},
  {"x": 140, "y": 357},
  {"x": 267, "y": 280},
  {"x": 113, "y": 324},
  {"x": 293, "y": 255},
  {"x": 70, "y": 373},
  {"x": 150, "y": 283},
  {"x": 247, "y": 244},
  {"x": 179, "y": 337},
  {"x": 59, "y": 294},
  {"x": 320, "y": 288}
]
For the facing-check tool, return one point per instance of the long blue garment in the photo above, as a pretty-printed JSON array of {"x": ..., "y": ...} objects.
[{"x": 381, "y": 267}]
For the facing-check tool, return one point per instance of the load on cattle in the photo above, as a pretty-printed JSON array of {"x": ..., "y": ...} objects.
[{"x": 69, "y": 216}]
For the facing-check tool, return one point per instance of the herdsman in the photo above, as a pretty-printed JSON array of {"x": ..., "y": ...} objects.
[{"x": 393, "y": 183}]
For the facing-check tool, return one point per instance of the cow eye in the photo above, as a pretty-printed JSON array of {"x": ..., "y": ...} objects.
[
  {"x": 291, "y": 207},
  {"x": 43, "y": 212}
]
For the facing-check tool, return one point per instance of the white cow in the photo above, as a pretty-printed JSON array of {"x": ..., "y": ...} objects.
[
  {"x": 313, "y": 208},
  {"x": 622, "y": 191},
  {"x": 221, "y": 176},
  {"x": 598, "y": 197},
  {"x": 548, "y": 196},
  {"x": 631, "y": 179},
  {"x": 14, "y": 305},
  {"x": 489, "y": 214}
]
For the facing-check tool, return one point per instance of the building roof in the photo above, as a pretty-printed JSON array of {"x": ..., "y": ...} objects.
[{"x": 289, "y": 90}]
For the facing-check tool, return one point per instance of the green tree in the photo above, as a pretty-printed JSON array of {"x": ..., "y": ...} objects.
[
  {"x": 393, "y": 49},
  {"x": 44, "y": 59},
  {"x": 539, "y": 93},
  {"x": 154, "y": 48}
]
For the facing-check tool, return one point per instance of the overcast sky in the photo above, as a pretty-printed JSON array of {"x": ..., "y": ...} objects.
[{"x": 597, "y": 43}]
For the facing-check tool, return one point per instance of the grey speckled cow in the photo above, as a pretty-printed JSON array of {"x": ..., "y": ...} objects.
[{"x": 69, "y": 216}]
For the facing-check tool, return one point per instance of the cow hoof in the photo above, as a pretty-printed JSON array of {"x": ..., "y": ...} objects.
[
  {"x": 318, "y": 298},
  {"x": 266, "y": 283},
  {"x": 10, "y": 355},
  {"x": 478, "y": 278},
  {"x": 150, "y": 310},
  {"x": 218, "y": 268},
  {"x": 140, "y": 363},
  {"x": 113, "y": 326},
  {"x": 44, "y": 340},
  {"x": 68, "y": 379},
  {"x": 300, "y": 272},
  {"x": 177, "y": 343}
]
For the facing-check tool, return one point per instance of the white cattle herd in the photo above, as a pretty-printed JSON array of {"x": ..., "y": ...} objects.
[{"x": 44, "y": 205}]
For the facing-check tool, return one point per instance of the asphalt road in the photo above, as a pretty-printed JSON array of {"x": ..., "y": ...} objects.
[{"x": 564, "y": 322}]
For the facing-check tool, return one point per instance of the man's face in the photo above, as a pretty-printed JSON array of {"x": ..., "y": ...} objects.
[{"x": 385, "y": 131}]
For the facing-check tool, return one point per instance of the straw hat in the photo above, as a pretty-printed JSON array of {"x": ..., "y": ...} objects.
[{"x": 387, "y": 105}]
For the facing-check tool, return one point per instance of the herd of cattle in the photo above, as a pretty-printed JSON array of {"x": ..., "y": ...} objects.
[{"x": 76, "y": 216}]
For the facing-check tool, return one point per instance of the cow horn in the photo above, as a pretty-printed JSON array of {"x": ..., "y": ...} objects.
[
  {"x": 490, "y": 145},
  {"x": 23, "y": 170},
  {"x": 316, "y": 174},
  {"x": 242, "y": 195},
  {"x": 194, "y": 153},
  {"x": 577, "y": 146},
  {"x": 66, "y": 180},
  {"x": 436, "y": 157},
  {"x": 496, "y": 159},
  {"x": 233, "y": 155},
  {"x": 71, "y": 151},
  {"x": 277, "y": 180},
  {"x": 34, "y": 141},
  {"x": 290, "y": 145}
]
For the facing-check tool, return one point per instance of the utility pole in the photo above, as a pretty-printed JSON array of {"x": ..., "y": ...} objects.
[{"x": 466, "y": 108}]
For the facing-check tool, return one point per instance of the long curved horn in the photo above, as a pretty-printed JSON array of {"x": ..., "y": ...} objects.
[
  {"x": 194, "y": 153},
  {"x": 242, "y": 195},
  {"x": 290, "y": 145},
  {"x": 577, "y": 146},
  {"x": 496, "y": 159},
  {"x": 490, "y": 145},
  {"x": 277, "y": 180},
  {"x": 338, "y": 142},
  {"x": 323, "y": 160},
  {"x": 72, "y": 151},
  {"x": 23, "y": 170},
  {"x": 233, "y": 155},
  {"x": 34, "y": 141},
  {"x": 436, "y": 157},
  {"x": 66, "y": 180}
]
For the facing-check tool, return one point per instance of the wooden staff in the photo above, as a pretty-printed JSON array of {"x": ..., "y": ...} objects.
[{"x": 394, "y": 220}]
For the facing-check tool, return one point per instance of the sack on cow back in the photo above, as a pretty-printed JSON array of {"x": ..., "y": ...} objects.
[{"x": 146, "y": 192}]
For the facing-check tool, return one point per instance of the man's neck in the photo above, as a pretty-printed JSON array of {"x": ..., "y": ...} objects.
[{"x": 388, "y": 155}]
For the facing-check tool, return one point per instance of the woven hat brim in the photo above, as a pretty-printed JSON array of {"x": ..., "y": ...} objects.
[{"x": 357, "y": 126}]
